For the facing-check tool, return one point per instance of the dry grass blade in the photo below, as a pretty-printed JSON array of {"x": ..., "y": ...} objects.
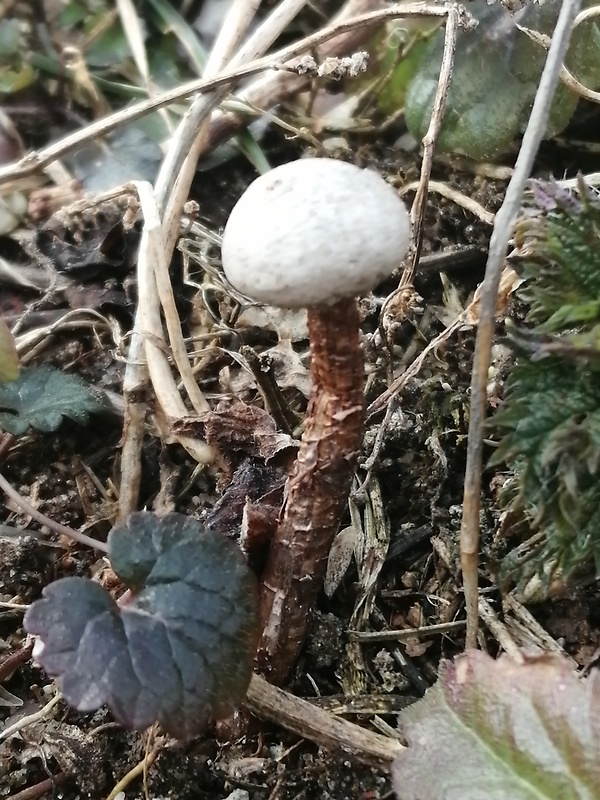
[
  {"x": 61, "y": 530},
  {"x": 469, "y": 541},
  {"x": 36, "y": 161},
  {"x": 179, "y": 167},
  {"x": 30, "y": 344},
  {"x": 233, "y": 30},
  {"x": 31, "y": 719},
  {"x": 567, "y": 77},
  {"x": 450, "y": 193},
  {"x": 135, "y": 36},
  {"x": 152, "y": 253}
]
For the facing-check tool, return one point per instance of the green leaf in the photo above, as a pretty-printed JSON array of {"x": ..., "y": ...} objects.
[
  {"x": 41, "y": 397},
  {"x": 495, "y": 78},
  {"x": 172, "y": 21},
  {"x": 11, "y": 40},
  {"x": 9, "y": 358},
  {"x": 179, "y": 653},
  {"x": 497, "y": 730},
  {"x": 563, "y": 235},
  {"x": 550, "y": 420}
]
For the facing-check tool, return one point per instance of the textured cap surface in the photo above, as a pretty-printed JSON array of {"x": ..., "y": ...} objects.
[{"x": 313, "y": 231}]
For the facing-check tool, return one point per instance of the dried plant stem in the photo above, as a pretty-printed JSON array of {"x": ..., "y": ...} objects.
[
  {"x": 31, "y": 719},
  {"x": 16, "y": 658},
  {"x": 417, "y": 212},
  {"x": 36, "y": 161},
  {"x": 301, "y": 717},
  {"x": 450, "y": 193},
  {"x": 316, "y": 492},
  {"x": 567, "y": 77},
  {"x": 179, "y": 166},
  {"x": 135, "y": 387},
  {"x": 499, "y": 631},
  {"x": 151, "y": 255},
  {"x": 469, "y": 538},
  {"x": 273, "y": 87},
  {"x": 413, "y": 370},
  {"x": 61, "y": 530},
  {"x": 135, "y": 772},
  {"x": 41, "y": 789},
  {"x": 158, "y": 266}
]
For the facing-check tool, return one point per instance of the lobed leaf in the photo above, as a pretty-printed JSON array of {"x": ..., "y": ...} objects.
[
  {"x": 179, "y": 653},
  {"x": 41, "y": 397},
  {"x": 497, "y": 729},
  {"x": 496, "y": 73}
]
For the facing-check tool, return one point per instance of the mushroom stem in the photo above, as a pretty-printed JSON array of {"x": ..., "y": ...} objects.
[{"x": 317, "y": 490}]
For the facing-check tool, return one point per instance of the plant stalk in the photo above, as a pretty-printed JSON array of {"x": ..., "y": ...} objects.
[{"x": 316, "y": 492}]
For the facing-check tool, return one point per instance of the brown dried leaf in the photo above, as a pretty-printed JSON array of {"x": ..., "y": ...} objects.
[
  {"x": 288, "y": 369},
  {"x": 259, "y": 522},
  {"x": 244, "y": 429},
  {"x": 253, "y": 480},
  {"x": 339, "y": 559}
]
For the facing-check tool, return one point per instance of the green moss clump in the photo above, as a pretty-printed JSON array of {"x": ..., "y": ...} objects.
[{"x": 550, "y": 421}]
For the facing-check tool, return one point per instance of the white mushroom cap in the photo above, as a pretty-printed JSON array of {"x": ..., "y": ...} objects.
[{"x": 313, "y": 231}]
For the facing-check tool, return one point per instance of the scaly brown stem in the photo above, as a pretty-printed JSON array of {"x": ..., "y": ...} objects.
[{"x": 317, "y": 490}]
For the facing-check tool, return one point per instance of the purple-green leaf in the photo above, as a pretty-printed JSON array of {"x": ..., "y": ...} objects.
[
  {"x": 179, "y": 653},
  {"x": 497, "y": 730}
]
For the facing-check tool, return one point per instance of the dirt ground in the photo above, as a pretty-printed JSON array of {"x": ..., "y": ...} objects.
[{"x": 416, "y": 479}]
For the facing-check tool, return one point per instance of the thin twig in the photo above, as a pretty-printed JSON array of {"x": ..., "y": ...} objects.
[
  {"x": 402, "y": 380},
  {"x": 18, "y": 657},
  {"x": 417, "y": 212},
  {"x": 36, "y": 161},
  {"x": 521, "y": 619},
  {"x": 499, "y": 631},
  {"x": 178, "y": 168},
  {"x": 397, "y": 303},
  {"x": 40, "y": 789},
  {"x": 135, "y": 772},
  {"x": 271, "y": 88},
  {"x": 460, "y": 199},
  {"x": 406, "y": 634},
  {"x": 469, "y": 540},
  {"x": 30, "y": 719},
  {"x": 135, "y": 387},
  {"x": 62, "y": 530},
  {"x": 179, "y": 165},
  {"x": 567, "y": 77}
]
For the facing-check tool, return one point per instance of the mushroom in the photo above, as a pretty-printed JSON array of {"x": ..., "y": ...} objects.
[{"x": 314, "y": 233}]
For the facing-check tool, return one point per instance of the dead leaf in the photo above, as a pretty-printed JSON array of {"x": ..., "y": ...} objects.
[
  {"x": 339, "y": 559},
  {"x": 242, "y": 428}
]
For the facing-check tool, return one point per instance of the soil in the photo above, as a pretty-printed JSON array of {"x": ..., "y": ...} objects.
[{"x": 70, "y": 475}]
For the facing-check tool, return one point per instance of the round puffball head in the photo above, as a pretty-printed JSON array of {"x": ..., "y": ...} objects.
[{"x": 312, "y": 232}]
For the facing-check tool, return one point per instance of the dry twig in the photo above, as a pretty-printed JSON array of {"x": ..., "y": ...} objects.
[
  {"x": 469, "y": 541},
  {"x": 301, "y": 717},
  {"x": 36, "y": 161}
]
